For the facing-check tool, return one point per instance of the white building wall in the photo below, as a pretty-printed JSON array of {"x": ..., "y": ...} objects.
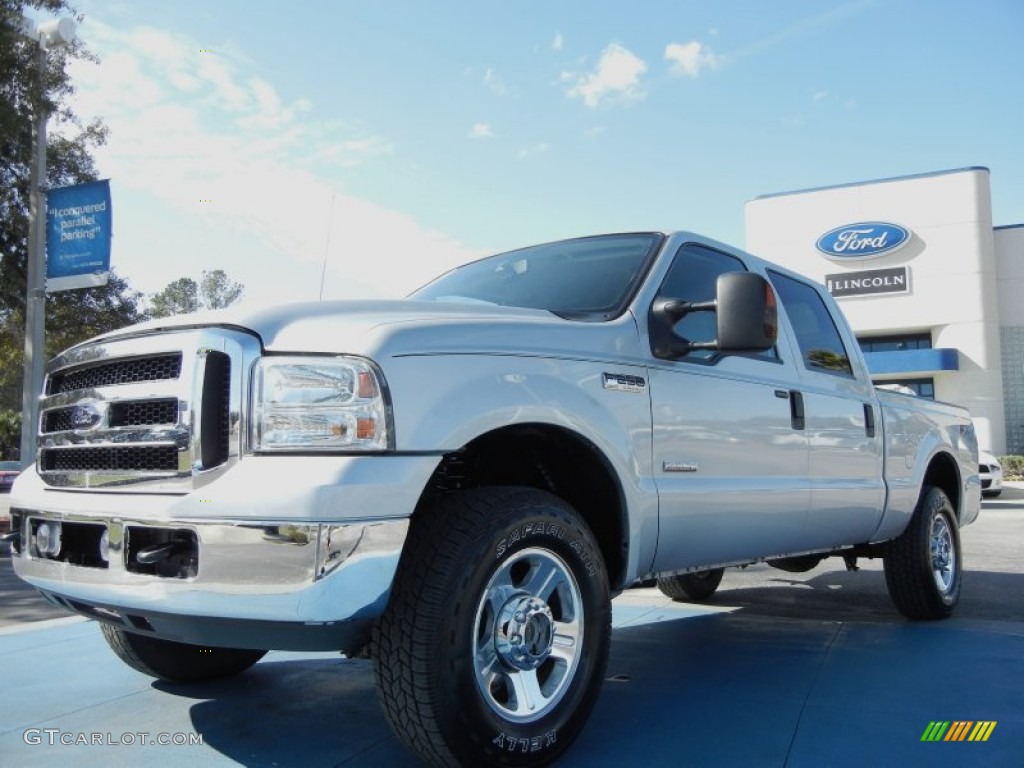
[
  {"x": 1009, "y": 248},
  {"x": 951, "y": 261}
]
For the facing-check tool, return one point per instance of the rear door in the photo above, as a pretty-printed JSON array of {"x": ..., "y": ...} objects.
[
  {"x": 729, "y": 462},
  {"x": 842, "y": 422}
]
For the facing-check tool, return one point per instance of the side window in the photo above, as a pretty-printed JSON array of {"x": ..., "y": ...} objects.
[
  {"x": 693, "y": 277},
  {"x": 816, "y": 334}
]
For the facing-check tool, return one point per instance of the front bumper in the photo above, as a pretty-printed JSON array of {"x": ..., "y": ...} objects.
[
  {"x": 313, "y": 576},
  {"x": 257, "y": 584}
]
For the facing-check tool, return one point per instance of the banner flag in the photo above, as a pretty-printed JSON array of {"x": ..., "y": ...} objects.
[{"x": 78, "y": 232}]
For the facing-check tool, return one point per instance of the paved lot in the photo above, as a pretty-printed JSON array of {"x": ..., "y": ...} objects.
[{"x": 780, "y": 670}]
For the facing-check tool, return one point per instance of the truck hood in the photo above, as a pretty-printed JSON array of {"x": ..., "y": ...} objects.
[{"x": 390, "y": 328}]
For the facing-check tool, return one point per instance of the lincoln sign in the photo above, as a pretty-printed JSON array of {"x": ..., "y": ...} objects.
[{"x": 895, "y": 280}]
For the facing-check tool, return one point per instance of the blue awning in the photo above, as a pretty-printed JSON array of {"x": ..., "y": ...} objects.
[{"x": 913, "y": 361}]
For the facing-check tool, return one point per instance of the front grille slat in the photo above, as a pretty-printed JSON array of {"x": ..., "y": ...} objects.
[
  {"x": 128, "y": 458},
  {"x": 135, "y": 413},
  {"x": 144, "y": 413},
  {"x": 105, "y": 374}
]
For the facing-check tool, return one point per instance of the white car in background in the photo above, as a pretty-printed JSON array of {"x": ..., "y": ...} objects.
[{"x": 991, "y": 473}]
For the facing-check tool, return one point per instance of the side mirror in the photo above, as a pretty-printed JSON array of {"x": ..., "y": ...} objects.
[{"x": 746, "y": 318}]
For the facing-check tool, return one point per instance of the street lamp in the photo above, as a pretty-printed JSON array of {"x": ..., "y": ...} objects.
[{"x": 48, "y": 36}]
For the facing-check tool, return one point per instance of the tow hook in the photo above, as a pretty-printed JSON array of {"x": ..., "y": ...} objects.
[{"x": 157, "y": 553}]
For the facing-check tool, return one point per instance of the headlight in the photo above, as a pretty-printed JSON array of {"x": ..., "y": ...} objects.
[{"x": 319, "y": 404}]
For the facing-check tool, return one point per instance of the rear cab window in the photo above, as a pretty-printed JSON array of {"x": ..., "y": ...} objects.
[{"x": 821, "y": 347}]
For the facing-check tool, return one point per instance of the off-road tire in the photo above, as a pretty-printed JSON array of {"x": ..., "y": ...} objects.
[
  {"x": 691, "y": 587},
  {"x": 492, "y": 578},
  {"x": 924, "y": 565},
  {"x": 177, "y": 662}
]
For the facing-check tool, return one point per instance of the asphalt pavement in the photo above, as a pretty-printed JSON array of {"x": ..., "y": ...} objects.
[{"x": 781, "y": 670}]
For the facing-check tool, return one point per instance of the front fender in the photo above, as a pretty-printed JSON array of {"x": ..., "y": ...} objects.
[{"x": 444, "y": 402}]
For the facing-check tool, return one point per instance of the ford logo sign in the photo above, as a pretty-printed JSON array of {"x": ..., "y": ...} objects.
[
  {"x": 85, "y": 416},
  {"x": 863, "y": 240}
]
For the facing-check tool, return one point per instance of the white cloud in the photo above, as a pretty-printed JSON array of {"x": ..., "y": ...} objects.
[
  {"x": 532, "y": 150},
  {"x": 481, "y": 131},
  {"x": 352, "y": 152},
  {"x": 558, "y": 43},
  {"x": 820, "y": 96},
  {"x": 187, "y": 126},
  {"x": 494, "y": 83},
  {"x": 616, "y": 78},
  {"x": 594, "y": 132},
  {"x": 690, "y": 59}
]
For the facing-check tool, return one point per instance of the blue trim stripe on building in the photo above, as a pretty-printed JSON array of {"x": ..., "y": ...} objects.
[{"x": 913, "y": 361}]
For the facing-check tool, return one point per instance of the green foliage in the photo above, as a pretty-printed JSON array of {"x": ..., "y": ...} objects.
[
  {"x": 178, "y": 298},
  {"x": 215, "y": 290},
  {"x": 10, "y": 435},
  {"x": 1013, "y": 467},
  {"x": 71, "y": 316}
]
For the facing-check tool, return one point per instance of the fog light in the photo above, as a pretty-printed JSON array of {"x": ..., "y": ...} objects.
[
  {"x": 48, "y": 539},
  {"x": 105, "y": 546}
]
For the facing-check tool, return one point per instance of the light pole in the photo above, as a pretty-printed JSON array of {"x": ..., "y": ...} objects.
[{"x": 50, "y": 35}]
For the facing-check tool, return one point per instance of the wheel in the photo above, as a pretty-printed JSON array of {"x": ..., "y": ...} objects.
[
  {"x": 923, "y": 565},
  {"x": 177, "y": 662},
  {"x": 691, "y": 587},
  {"x": 493, "y": 645}
]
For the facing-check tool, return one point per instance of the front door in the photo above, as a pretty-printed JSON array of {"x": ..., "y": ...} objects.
[{"x": 730, "y": 462}]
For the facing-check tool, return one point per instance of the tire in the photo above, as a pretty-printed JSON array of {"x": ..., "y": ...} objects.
[
  {"x": 177, "y": 662},
  {"x": 923, "y": 567},
  {"x": 494, "y": 643},
  {"x": 691, "y": 587}
]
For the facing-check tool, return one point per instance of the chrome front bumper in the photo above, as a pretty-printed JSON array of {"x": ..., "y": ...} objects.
[{"x": 252, "y": 584}]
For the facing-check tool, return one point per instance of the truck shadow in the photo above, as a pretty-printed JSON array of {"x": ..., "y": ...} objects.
[
  {"x": 839, "y": 595},
  {"x": 753, "y": 686}
]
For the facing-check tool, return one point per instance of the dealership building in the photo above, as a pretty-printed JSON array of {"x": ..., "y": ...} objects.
[{"x": 933, "y": 291}]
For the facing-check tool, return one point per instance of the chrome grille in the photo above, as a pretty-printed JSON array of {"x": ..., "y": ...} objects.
[{"x": 163, "y": 409}]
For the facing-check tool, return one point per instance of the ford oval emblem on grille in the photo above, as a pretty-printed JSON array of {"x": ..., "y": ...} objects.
[
  {"x": 863, "y": 240},
  {"x": 86, "y": 416}
]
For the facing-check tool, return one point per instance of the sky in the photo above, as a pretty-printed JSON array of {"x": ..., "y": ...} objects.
[{"x": 348, "y": 149}]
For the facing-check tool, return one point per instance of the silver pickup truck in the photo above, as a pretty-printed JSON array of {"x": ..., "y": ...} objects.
[{"x": 458, "y": 483}]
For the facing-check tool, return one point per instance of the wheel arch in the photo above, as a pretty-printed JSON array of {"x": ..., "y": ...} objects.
[
  {"x": 943, "y": 473},
  {"x": 550, "y": 458}
]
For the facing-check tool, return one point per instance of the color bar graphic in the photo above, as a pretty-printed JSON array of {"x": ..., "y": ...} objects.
[{"x": 958, "y": 730}]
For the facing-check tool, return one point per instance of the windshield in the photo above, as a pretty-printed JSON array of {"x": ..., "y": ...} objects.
[{"x": 589, "y": 278}]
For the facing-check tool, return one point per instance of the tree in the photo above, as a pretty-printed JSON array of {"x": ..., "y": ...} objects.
[
  {"x": 215, "y": 290},
  {"x": 71, "y": 316},
  {"x": 178, "y": 298}
]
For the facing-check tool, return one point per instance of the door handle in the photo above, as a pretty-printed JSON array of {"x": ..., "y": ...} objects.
[
  {"x": 869, "y": 419},
  {"x": 796, "y": 409}
]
